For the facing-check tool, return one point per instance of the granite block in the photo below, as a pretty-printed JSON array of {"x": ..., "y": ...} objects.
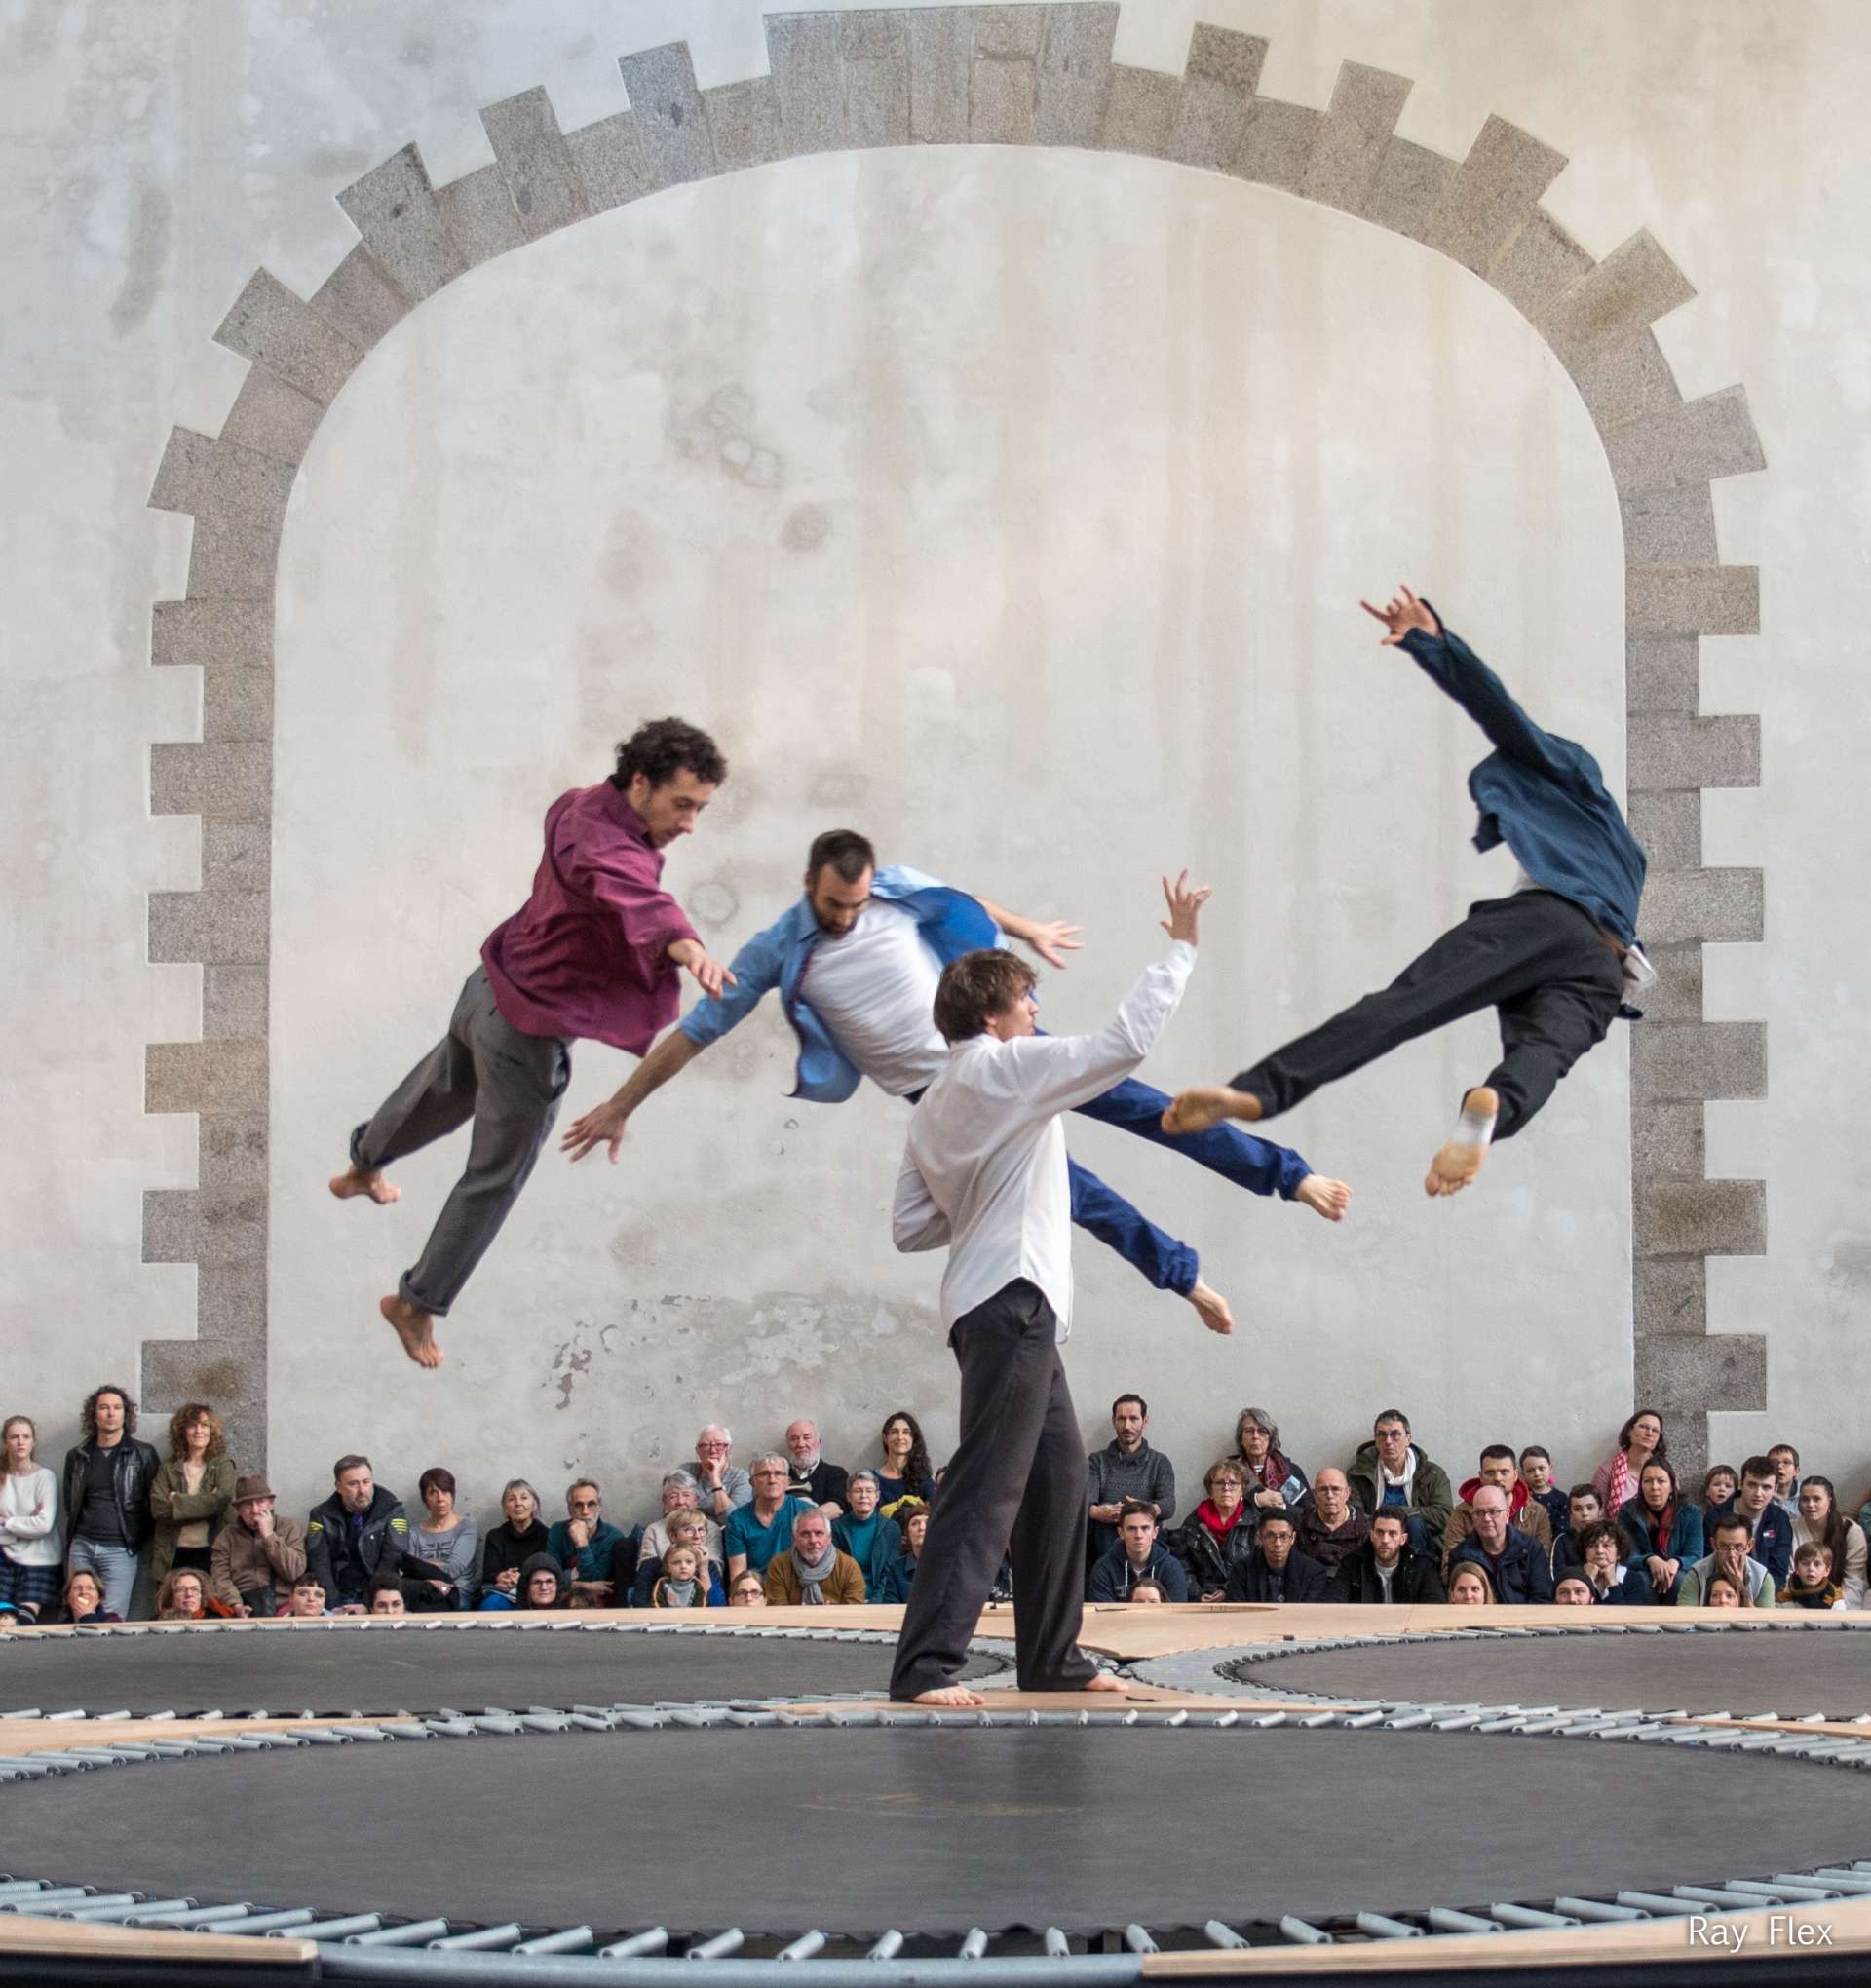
[
  {"x": 671, "y": 122},
  {"x": 234, "y": 558},
  {"x": 1663, "y": 675},
  {"x": 1725, "y": 905},
  {"x": 1277, "y": 143},
  {"x": 1409, "y": 182},
  {"x": 360, "y": 299},
  {"x": 876, "y": 64},
  {"x": 204, "y": 1225},
  {"x": 1670, "y": 828},
  {"x": 1665, "y": 749},
  {"x": 1218, "y": 86},
  {"x": 1624, "y": 294},
  {"x": 271, "y": 418},
  {"x": 1492, "y": 195},
  {"x": 609, "y": 159},
  {"x": 1359, "y": 123},
  {"x": 234, "y": 1001},
  {"x": 236, "y": 855},
  {"x": 211, "y": 634},
  {"x": 477, "y": 211},
  {"x": 392, "y": 207},
  {"x": 1075, "y": 72},
  {"x": 1141, "y": 111},
  {"x": 230, "y": 1302},
  {"x": 1692, "y": 601},
  {"x": 223, "y": 1371},
  {"x": 1675, "y": 1063},
  {"x": 805, "y": 56},
  {"x": 228, "y": 927},
  {"x": 232, "y": 1145},
  {"x": 1668, "y": 1141},
  {"x": 1678, "y": 993},
  {"x": 285, "y": 336},
  {"x": 1003, "y": 101},
  {"x": 1701, "y": 1218},
  {"x": 1670, "y": 528},
  {"x": 744, "y": 119},
  {"x": 870, "y": 34},
  {"x": 1688, "y": 443},
  {"x": 535, "y": 162},
  {"x": 1540, "y": 264},
  {"x": 226, "y": 1075},
  {"x": 1690, "y": 1378},
  {"x": 202, "y": 476},
  {"x": 1623, "y": 383},
  {"x": 237, "y": 702},
  {"x": 220, "y": 782},
  {"x": 1007, "y": 34},
  {"x": 1670, "y": 1295},
  {"x": 940, "y": 45}
]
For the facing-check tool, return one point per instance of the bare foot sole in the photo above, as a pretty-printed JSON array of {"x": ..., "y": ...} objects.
[
  {"x": 1457, "y": 1163},
  {"x": 1211, "y": 1307},
  {"x": 355, "y": 1180},
  {"x": 1107, "y": 1680},
  {"x": 1195, "y": 1111},
  {"x": 1327, "y": 1198},
  {"x": 416, "y": 1329},
  {"x": 956, "y": 1694}
]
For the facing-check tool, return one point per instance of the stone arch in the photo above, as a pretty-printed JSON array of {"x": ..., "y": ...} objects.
[{"x": 1011, "y": 75}]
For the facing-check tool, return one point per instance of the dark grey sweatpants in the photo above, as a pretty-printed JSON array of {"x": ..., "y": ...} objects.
[
  {"x": 510, "y": 1084},
  {"x": 1017, "y": 1485}
]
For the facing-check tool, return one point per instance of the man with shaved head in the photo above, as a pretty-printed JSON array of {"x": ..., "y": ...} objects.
[{"x": 1514, "y": 1561}]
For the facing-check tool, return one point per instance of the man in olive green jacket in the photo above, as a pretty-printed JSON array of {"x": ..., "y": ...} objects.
[{"x": 1391, "y": 1462}]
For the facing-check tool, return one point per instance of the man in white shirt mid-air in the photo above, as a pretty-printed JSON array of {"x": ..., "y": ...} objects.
[{"x": 985, "y": 1174}]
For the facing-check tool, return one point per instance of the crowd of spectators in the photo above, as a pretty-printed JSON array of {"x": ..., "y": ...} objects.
[{"x": 789, "y": 1527}]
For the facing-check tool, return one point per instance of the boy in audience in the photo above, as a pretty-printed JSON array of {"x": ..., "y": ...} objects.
[
  {"x": 1785, "y": 1460},
  {"x": 1811, "y": 1585},
  {"x": 1585, "y": 1508},
  {"x": 1138, "y": 1555},
  {"x": 1535, "y": 1474}
]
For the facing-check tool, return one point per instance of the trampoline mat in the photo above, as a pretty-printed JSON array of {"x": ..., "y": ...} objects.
[
  {"x": 375, "y": 1671},
  {"x": 934, "y": 1829},
  {"x": 1787, "y": 1671}
]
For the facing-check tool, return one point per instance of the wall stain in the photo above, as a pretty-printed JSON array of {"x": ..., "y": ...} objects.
[
  {"x": 807, "y": 528},
  {"x": 145, "y": 263},
  {"x": 721, "y": 428}
]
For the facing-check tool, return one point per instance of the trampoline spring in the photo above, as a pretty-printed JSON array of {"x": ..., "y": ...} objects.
[
  {"x": 1801, "y": 1890},
  {"x": 270, "y": 1921},
  {"x": 654, "y": 1941},
  {"x": 1301, "y": 1932},
  {"x": 803, "y": 1948},
  {"x": 20, "y": 1887},
  {"x": 573, "y": 1939},
  {"x": 1659, "y": 1907},
  {"x": 1853, "y": 1884},
  {"x": 720, "y": 1946},
  {"x": 1137, "y": 1939},
  {"x": 195, "y": 1918},
  {"x": 1378, "y": 1926},
  {"x": 480, "y": 1940},
  {"x": 1218, "y": 1935},
  {"x": 1599, "y": 1911},
  {"x": 1445, "y": 1918},
  {"x": 888, "y": 1946},
  {"x": 974, "y": 1947},
  {"x": 417, "y": 1933},
  {"x": 52, "y": 1894},
  {"x": 106, "y": 1910},
  {"x": 334, "y": 1929},
  {"x": 1727, "y": 1897},
  {"x": 1057, "y": 1946},
  {"x": 1526, "y": 1916}
]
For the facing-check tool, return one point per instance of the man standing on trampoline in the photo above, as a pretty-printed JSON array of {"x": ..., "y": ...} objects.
[
  {"x": 1557, "y": 959},
  {"x": 984, "y": 1173},
  {"x": 595, "y": 951}
]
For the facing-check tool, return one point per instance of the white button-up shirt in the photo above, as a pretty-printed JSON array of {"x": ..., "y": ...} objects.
[{"x": 984, "y": 1170}]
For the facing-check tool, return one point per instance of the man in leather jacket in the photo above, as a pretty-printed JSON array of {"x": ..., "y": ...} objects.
[
  {"x": 357, "y": 1532},
  {"x": 106, "y": 1496}
]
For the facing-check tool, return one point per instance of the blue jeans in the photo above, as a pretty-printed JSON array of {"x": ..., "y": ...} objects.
[{"x": 115, "y": 1567}]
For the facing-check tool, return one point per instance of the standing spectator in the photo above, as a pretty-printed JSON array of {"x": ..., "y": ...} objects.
[
  {"x": 1127, "y": 1469},
  {"x": 519, "y": 1538},
  {"x": 681, "y": 1493},
  {"x": 1275, "y": 1482},
  {"x": 720, "y": 1486},
  {"x": 191, "y": 1492},
  {"x": 1821, "y": 1523},
  {"x": 1218, "y": 1536},
  {"x": 1276, "y": 1570},
  {"x": 82, "y": 1599},
  {"x": 106, "y": 1497},
  {"x": 1471, "y": 1588},
  {"x": 542, "y": 1583},
  {"x": 812, "y": 1572},
  {"x": 1524, "y": 1511},
  {"x": 1771, "y": 1528},
  {"x": 1720, "y": 1482},
  {"x": 863, "y": 1532},
  {"x": 1785, "y": 1460},
  {"x": 307, "y": 1602},
  {"x": 1585, "y": 1508},
  {"x": 907, "y": 1472},
  {"x": 1333, "y": 1528},
  {"x": 29, "y": 1553},
  {"x": 810, "y": 1476},
  {"x": 1662, "y": 1531},
  {"x": 1811, "y": 1585},
  {"x": 1640, "y": 1440},
  {"x": 1515, "y": 1563},
  {"x": 443, "y": 1566},
  {"x": 257, "y": 1558},
  {"x": 1392, "y": 1471},
  {"x": 585, "y": 1543},
  {"x": 1535, "y": 1474},
  {"x": 901, "y": 1574},
  {"x": 748, "y": 1592},
  {"x": 758, "y": 1532},
  {"x": 1729, "y": 1558},
  {"x": 358, "y": 1531},
  {"x": 1136, "y": 1556},
  {"x": 384, "y": 1596},
  {"x": 684, "y": 1582},
  {"x": 1614, "y": 1584},
  {"x": 1387, "y": 1570}
]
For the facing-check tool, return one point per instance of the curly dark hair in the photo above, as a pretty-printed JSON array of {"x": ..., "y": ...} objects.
[
  {"x": 661, "y": 748},
  {"x": 192, "y": 1411},
  {"x": 88, "y": 1414},
  {"x": 916, "y": 1470}
]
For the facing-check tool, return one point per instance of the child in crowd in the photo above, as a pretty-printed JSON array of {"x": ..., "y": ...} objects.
[
  {"x": 681, "y": 1585},
  {"x": 1720, "y": 1593},
  {"x": 1535, "y": 1474},
  {"x": 1719, "y": 1485},
  {"x": 1811, "y": 1585}
]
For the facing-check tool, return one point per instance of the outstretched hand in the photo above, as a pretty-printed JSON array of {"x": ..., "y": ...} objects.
[
  {"x": 1185, "y": 900},
  {"x": 1401, "y": 615},
  {"x": 1052, "y": 939},
  {"x": 602, "y": 1125},
  {"x": 710, "y": 976}
]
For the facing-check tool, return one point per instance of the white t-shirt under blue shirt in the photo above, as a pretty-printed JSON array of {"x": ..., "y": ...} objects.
[{"x": 875, "y": 990}]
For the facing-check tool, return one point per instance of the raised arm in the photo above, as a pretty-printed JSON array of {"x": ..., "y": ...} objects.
[
  {"x": 915, "y": 1221},
  {"x": 1052, "y": 939}
]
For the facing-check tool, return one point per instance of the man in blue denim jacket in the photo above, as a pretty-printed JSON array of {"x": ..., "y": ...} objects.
[{"x": 856, "y": 963}]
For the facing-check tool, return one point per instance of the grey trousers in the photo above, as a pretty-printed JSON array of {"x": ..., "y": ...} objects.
[
  {"x": 509, "y": 1085},
  {"x": 1017, "y": 1485}
]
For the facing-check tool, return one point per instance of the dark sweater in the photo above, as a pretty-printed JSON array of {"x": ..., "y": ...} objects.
[{"x": 504, "y": 1547}]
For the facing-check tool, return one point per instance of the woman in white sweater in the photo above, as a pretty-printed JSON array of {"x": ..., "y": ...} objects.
[{"x": 29, "y": 1553}]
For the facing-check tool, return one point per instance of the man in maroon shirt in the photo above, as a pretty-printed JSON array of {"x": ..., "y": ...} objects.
[{"x": 595, "y": 951}]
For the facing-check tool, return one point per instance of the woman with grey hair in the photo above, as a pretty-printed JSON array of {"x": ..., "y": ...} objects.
[
  {"x": 1275, "y": 1482},
  {"x": 510, "y": 1545},
  {"x": 864, "y": 1533}
]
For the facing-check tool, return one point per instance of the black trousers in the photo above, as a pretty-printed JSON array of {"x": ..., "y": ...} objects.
[
  {"x": 1536, "y": 958},
  {"x": 1017, "y": 1485}
]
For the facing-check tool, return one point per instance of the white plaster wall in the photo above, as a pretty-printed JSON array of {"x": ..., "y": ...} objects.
[{"x": 155, "y": 151}]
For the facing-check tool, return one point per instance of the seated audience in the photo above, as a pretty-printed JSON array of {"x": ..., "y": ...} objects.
[
  {"x": 1771, "y": 1529},
  {"x": 684, "y": 1528},
  {"x": 906, "y": 1470},
  {"x": 384, "y": 1596},
  {"x": 1127, "y": 1468},
  {"x": 1514, "y": 1561},
  {"x": 901, "y": 1571},
  {"x": 1722, "y": 1593},
  {"x": 1720, "y": 1482},
  {"x": 679, "y": 1493},
  {"x": 1146, "y": 1591},
  {"x": 1276, "y": 1570},
  {"x": 358, "y": 1531},
  {"x": 1138, "y": 1555},
  {"x": 1729, "y": 1556},
  {"x": 719, "y": 1485},
  {"x": 306, "y": 1603},
  {"x": 519, "y": 1538},
  {"x": 1811, "y": 1585},
  {"x": 1614, "y": 1584},
  {"x": 1386, "y": 1568},
  {"x": 1391, "y": 1469},
  {"x": 1585, "y": 1507},
  {"x": 584, "y": 1597},
  {"x": 1535, "y": 1474},
  {"x": 863, "y": 1532},
  {"x": 1524, "y": 1511},
  {"x": 1333, "y": 1528},
  {"x": 586, "y": 1542},
  {"x": 808, "y": 1475},
  {"x": 183, "y": 1596},
  {"x": 1662, "y": 1530},
  {"x": 105, "y": 1495},
  {"x": 30, "y": 1553},
  {"x": 1572, "y": 1591},
  {"x": 1216, "y": 1537},
  {"x": 1469, "y": 1585},
  {"x": 685, "y": 1582},
  {"x": 762, "y": 1530},
  {"x": 257, "y": 1556},
  {"x": 543, "y": 1583},
  {"x": 82, "y": 1599},
  {"x": 190, "y": 1494},
  {"x": 443, "y": 1564},
  {"x": 1785, "y": 1460},
  {"x": 11, "y": 1618},
  {"x": 1640, "y": 1440},
  {"x": 811, "y": 1572},
  {"x": 1821, "y": 1523},
  {"x": 1275, "y": 1482},
  {"x": 748, "y": 1592}
]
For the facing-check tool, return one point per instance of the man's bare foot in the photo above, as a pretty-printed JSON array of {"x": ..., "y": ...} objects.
[
  {"x": 1195, "y": 1111},
  {"x": 1107, "y": 1680},
  {"x": 957, "y": 1694},
  {"x": 355, "y": 1180},
  {"x": 1327, "y": 1198},
  {"x": 416, "y": 1329},
  {"x": 1460, "y": 1159},
  {"x": 1211, "y": 1307}
]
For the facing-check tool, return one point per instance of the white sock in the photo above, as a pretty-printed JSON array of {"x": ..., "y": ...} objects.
[{"x": 1473, "y": 1129}]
